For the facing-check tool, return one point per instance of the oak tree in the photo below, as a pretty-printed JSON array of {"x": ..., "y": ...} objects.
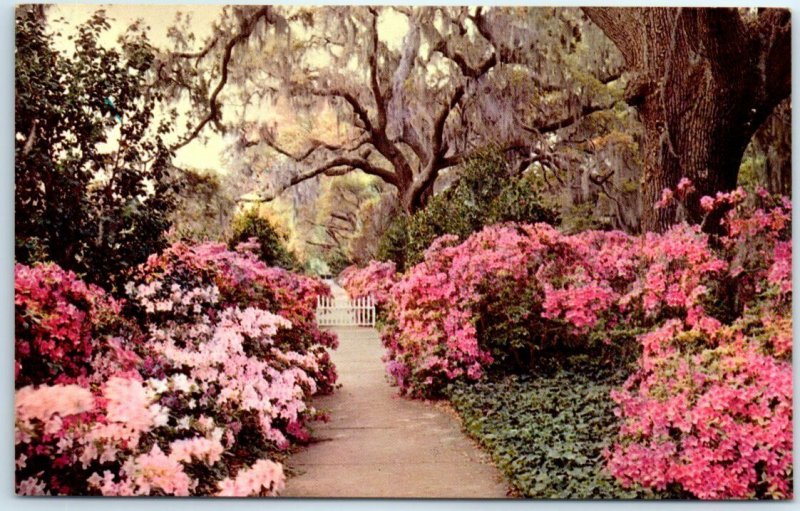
[{"x": 703, "y": 81}]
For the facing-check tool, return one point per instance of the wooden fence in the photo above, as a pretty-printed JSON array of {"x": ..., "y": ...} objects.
[{"x": 345, "y": 312}]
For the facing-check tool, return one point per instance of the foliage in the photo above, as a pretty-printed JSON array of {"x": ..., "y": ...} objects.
[
  {"x": 337, "y": 262},
  {"x": 347, "y": 218},
  {"x": 250, "y": 226},
  {"x": 375, "y": 280},
  {"x": 443, "y": 81},
  {"x": 204, "y": 206},
  {"x": 485, "y": 193},
  {"x": 519, "y": 201},
  {"x": 202, "y": 401},
  {"x": 91, "y": 209},
  {"x": 708, "y": 410},
  {"x": 547, "y": 433},
  {"x": 393, "y": 243},
  {"x": 240, "y": 280},
  {"x": 493, "y": 298}
]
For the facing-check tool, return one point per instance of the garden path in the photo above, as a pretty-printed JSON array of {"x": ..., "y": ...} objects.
[{"x": 378, "y": 444}]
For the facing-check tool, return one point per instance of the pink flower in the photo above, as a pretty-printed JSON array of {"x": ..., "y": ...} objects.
[
  {"x": 707, "y": 203},
  {"x": 666, "y": 198},
  {"x": 45, "y": 401},
  {"x": 264, "y": 478},
  {"x": 128, "y": 403},
  {"x": 202, "y": 449},
  {"x": 684, "y": 187}
]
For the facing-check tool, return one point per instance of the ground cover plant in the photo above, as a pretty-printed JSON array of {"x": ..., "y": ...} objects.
[{"x": 547, "y": 433}]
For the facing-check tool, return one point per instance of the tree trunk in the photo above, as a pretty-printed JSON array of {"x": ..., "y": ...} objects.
[
  {"x": 700, "y": 131},
  {"x": 703, "y": 81}
]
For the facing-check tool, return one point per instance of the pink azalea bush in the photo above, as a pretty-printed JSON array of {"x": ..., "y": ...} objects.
[
  {"x": 66, "y": 330},
  {"x": 202, "y": 399},
  {"x": 707, "y": 411},
  {"x": 375, "y": 280},
  {"x": 511, "y": 292}
]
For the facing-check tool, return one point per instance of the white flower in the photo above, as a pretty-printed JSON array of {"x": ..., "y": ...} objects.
[
  {"x": 160, "y": 415},
  {"x": 181, "y": 383},
  {"x": 158, "y": 386}
]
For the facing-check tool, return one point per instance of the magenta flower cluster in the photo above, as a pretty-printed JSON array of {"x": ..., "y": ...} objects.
[
  {"x": 707, "y": 411},
  {"x": 375, "y": 280}
]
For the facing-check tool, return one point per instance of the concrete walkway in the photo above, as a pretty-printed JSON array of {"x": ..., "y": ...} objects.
[{"x": 380, "y": 445}]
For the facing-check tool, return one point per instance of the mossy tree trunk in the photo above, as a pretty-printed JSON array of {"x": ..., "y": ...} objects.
[{"x": 703, "y": 81}]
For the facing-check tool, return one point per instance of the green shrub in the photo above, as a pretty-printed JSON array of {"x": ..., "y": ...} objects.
[
  {"x": 91, "y": 163},
  {"x": 337, "y": 261},
  {"x": 547, "y": 433},
  {"x": 394, "y": 242},
  {"x": 485, "y": 193},
  {"x": 519, "y": 201},
  {"x": 272, "y": 250}
]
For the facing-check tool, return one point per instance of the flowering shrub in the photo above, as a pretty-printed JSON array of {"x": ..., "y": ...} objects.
[
  {"x": 512, "y": 291},
  {"x": 375, "y": 280},
  {"x": 71, "y": 440},
  {"x": 189, "y": 283},
  {"x": 706, "y": 412},
  {"x": 66, "y": 330},
  {"x": 710, "y": 407},
  {"x": 201, "y": 400},
  {"x": 710, "y": 411}
]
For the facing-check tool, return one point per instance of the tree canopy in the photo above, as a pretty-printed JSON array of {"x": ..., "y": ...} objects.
[
  {"x": 92, "y": 192},
  {"x": 415, "y": 90}
]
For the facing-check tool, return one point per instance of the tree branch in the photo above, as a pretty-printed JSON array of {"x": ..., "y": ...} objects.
[
  {"x": 247, "y": 27},
  {"x": 550, "y": 127},
  {"x": 621, "y": 25},
  {"x": 336, "y": 167},
  {"x": 358, "y": 109},
  {"x": 314, "y": 145},
  {"x": 198, "y": 55},
  {"x": 410, "y": 137},
  {"x": 373, "y": 71}
]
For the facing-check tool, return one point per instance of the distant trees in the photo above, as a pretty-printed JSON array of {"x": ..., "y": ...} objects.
[
  {"x": 407, "y": 94},
  {"x": 486, "y": 193},
  {"x": 205, "y": 203},
  {"x": 349, "y": 216},
  {"x": 416, "y": 90},
  {"x": 90, "y": 174},
  {"x": 271, "y": 244},
  {"x": 703, "y": 81}
]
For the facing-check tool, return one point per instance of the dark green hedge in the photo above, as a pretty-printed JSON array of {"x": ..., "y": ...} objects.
[{"x": 273, "y": 249}]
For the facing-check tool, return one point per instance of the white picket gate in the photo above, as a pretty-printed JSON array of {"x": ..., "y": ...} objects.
[{"x": 340, "y": 311}]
